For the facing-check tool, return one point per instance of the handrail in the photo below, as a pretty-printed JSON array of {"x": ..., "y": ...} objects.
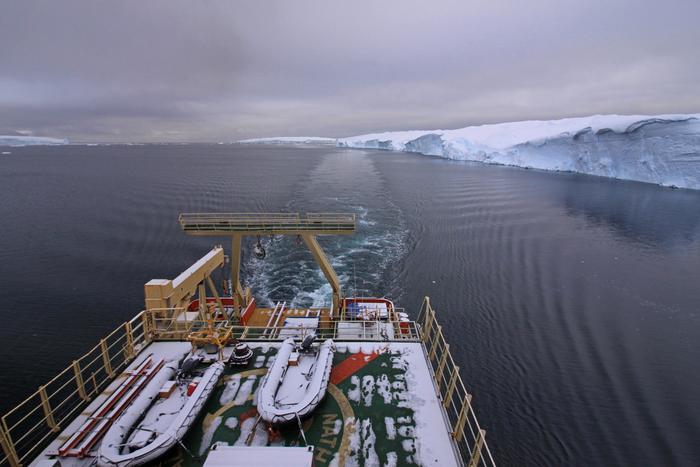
[
  {"x": 170, "y": 324},
  {"x": 372, "y": 332},
  {"x": 267, "y": 222},
  {"x": 456, "y": 400},
  {"x": 29, "y": 427},
  {"x": 292, "y": 216}
]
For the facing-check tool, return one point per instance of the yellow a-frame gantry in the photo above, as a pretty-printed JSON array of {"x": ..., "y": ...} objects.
[{"x": 237, "y": 225}]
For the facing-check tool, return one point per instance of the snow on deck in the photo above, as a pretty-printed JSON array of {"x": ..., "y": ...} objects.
[
  {"x": 426, "y": 434},
  {"x": 380, "y": 409},
  {"x": 166, "y": 350},
  {"x": 298, "y": 327}
]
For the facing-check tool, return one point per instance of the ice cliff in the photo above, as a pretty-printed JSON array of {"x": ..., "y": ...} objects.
[
  {"x": 663, "y": 149},
  {"x": 10, "y": 140},
  {"x": 289, "y": 140}
]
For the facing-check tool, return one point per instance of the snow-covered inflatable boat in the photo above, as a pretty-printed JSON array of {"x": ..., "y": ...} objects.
[
  {"x": 161, "y": 414},
  {"x": 296, "y": 382}
]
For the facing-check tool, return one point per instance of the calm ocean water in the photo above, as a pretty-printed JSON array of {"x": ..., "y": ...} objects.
[{"x": 572, "y": 302}]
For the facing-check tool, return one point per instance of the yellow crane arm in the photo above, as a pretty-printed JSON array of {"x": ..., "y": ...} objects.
[{"x": 166, "y": 293}]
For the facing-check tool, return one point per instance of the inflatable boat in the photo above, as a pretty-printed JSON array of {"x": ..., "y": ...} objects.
[
  {"x": 296, "y": 382},
  {"x": 161, "y": 414}
]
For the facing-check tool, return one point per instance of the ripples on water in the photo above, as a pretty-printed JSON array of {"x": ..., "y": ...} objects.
[{"x": 571, "y": 302}]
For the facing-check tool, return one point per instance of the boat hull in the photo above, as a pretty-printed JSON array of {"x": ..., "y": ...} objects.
[
  {"x": 110, "y": 455},
  {"x": 314, "y": 389}
]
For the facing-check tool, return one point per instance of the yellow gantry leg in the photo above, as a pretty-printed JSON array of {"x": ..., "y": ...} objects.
[
  {"x": 325, "y": 265},
  {"x": 237, "y": 292}
]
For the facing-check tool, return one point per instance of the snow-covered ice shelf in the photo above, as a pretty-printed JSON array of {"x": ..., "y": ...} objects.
[
  {"x": 662, "y": 149},
  {"x": 289, "y": 140},
  {"x": 9, "y": 140}
]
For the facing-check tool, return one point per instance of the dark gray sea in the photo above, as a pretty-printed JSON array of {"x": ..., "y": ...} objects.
[{"x": 572, "y": 302}]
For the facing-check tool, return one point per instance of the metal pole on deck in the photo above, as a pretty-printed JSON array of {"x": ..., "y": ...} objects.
[{"x": 236, "y": 293}]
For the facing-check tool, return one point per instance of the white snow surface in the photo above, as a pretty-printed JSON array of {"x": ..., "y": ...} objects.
[
  {"x": 427, "y": 441},
  {"x": 209, "y": 435},
  {"x": 9, "y": 140},
  {"x": 289, "y": 140},
  {"x": 662, "y": 149}
]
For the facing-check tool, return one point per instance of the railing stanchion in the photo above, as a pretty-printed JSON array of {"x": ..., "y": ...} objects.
[
  {"x": 476, "y": 453},
  {"x": 105, "y": 358},
  {"x": 129, "y": 352},
  {"x": 428, "y": 322},
  {"x": 48, "y": 413},
  {"x": 146, "y": 328},
  {"x": 462, "y": 418},
  {"x": 7, "y": 446},
  {"x": 441, "y": 366},
  {"x": 93, "y": 379},
  {"x": 451, "y": 387},
  {"x": 436, "y": 339},
  {"x": 79, "y": 381}
]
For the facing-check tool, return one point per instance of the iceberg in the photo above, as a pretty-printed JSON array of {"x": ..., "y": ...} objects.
[
  {"x": 661, "y": 149},
  {"x": 289, "y": 140},
  {"x": 11, "y": 140}
]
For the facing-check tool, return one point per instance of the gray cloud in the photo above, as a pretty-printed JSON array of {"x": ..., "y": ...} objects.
[{"x": 221, "y": 71}]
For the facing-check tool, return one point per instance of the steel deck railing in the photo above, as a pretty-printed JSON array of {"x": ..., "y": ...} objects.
[
  {"x": 172, "y": 324},
  {"x": 456, "y": 400},
  {"x": 263, "y": 224},
  {"x": 30, "y": 426},
  {"x": 27, "y": 429}
]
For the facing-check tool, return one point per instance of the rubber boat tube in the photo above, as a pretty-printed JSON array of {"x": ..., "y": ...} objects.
[
  {"x": 110, "y": 452},
  {"x": 284, "y": 383}
]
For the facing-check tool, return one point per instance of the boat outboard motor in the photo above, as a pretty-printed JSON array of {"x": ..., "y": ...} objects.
[
  {"x": 189, "y": 366},
  {"x": 308, "y": 342}
]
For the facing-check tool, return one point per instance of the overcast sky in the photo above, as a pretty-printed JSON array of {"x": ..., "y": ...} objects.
[{"x": 221, "y": 71}]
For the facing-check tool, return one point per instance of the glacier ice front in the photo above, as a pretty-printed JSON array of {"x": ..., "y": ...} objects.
[
  {"x": 12, "y": 140},
  {"x": 289, "y": 140},
  {"x": 663, "y": 149}
]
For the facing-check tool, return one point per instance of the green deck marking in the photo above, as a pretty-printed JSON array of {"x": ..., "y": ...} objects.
[{"x": 339, "y": 422}]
